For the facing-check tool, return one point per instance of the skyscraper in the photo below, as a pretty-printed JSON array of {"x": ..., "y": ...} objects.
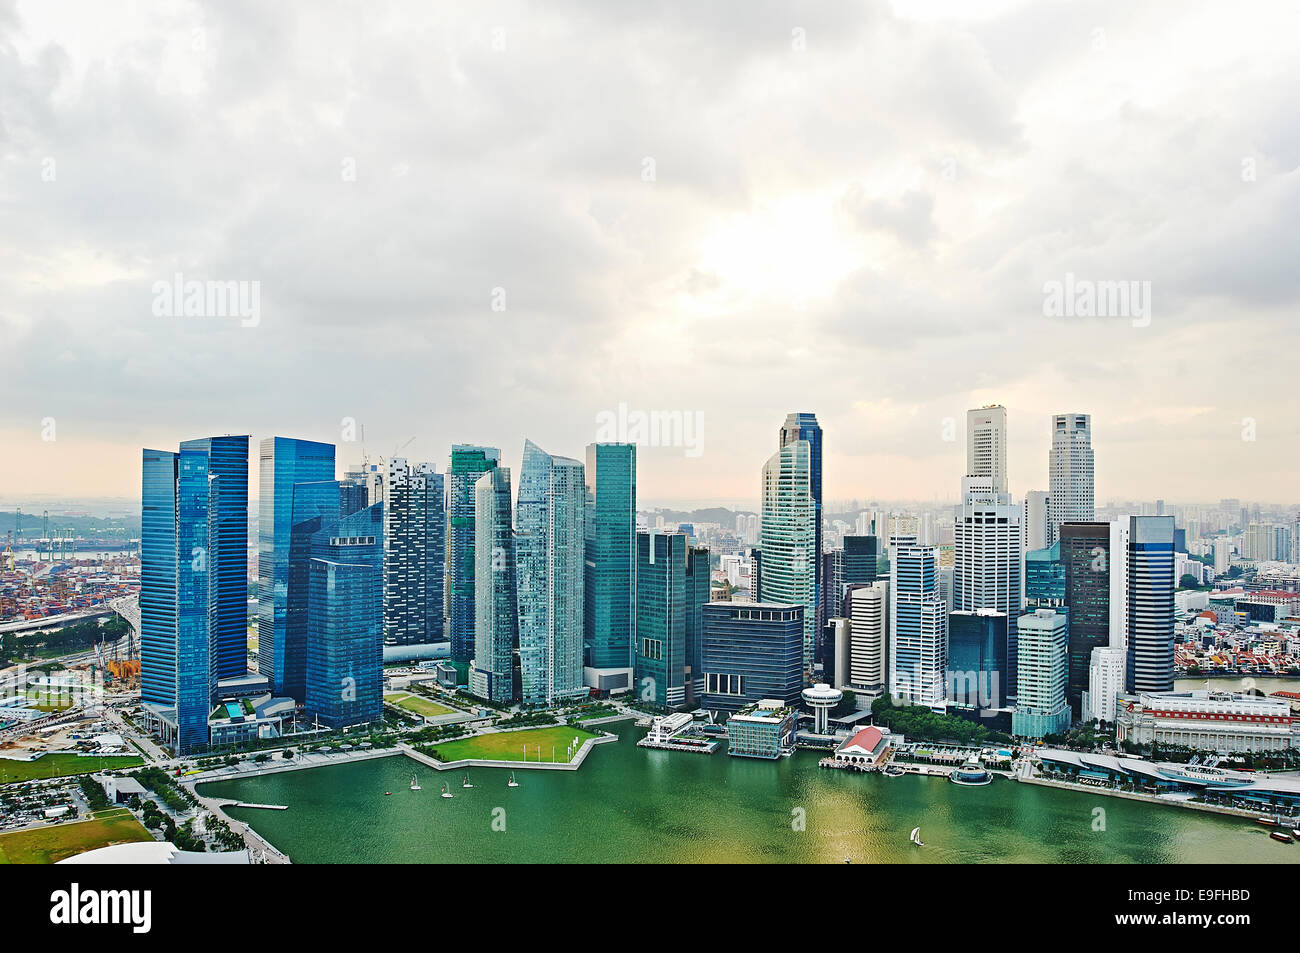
[
  {"x": 977, "y": 658},
  {"x": 1086, "y": 556},
  {"x": 496, "y": 611},
  {"x": 1035, "y": 520},
  {"x": 751, "y": 651},
  {"x": 468, "y": 463},
  {"x": 1069, "y": 468},
  {"x": 610, "y": 565},
  {"x": 790, "y": 536},
  {"x": 918, "y": 627},
  {"x": 986, "y": 445},
  {"x": 869, "y": 636},
  {"x": 1041, "y": 707},
  {"x": 193, "y": 543},
  {"x": 1150, "y": 574},
  {"x": 414, "y": 553},
  {"x": 988, "y": 560},
  {"x": 661, "y": 594},
  {"x": 550, "y": 543},
  {"x": 699, "y": 590},
  {"x": 344, "y": 664},
  {"x": 295, "y": 480},
  {"x": 804, "y": 426}
]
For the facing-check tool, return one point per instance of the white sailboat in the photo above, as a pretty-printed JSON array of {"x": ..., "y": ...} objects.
[
  {"x": 512, "y": 783},
  {"x": 445, "y": 792},
  {"x": 466, "y": 783},
  {"x": 415, "y": 785},
  {"x": 916, "y": 837}
]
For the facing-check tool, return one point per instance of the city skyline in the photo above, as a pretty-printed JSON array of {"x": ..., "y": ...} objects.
[{"x": 889, "y": 273}]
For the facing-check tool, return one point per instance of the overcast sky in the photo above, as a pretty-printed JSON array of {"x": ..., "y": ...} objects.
[{"x": 732, "y": 209}]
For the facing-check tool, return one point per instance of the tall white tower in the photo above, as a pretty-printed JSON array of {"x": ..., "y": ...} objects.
[
  {"x": 1069, "y": 468},
  {"x": 986, "y": 445}
]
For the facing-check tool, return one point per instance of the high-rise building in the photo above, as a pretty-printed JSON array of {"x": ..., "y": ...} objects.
[
  {"x": 977, "y": 658},
  {"x": 414, "y": 553},
  {"x": 1105, "y": 682},
  {"x": 354, "y": 492},
  {"x": 988, "y": 559},
  {"x": 296, "y": 488},
  {"x": 1069, "y": 468},
  {"x": 855, "y": 565},
  {"x": 918, "y": 627},
  {"x": 869, "y": 649},
  {"x": 1035, "y": 520},
  {"x": 1150, "y": 574},
  {"x": 661, "y": 603},
  {"x": 699, "y": 590},
  {"x": 496, "y": 611},
  {"x": 752, "y": 651},
  {"x": 1045, "y": 578},
  {"x": 986, "y": 445},
  {"x": 344, "y": 651},
  {"x": 194, "y": 540},
  {"x": 789, "y": 566},
  {"x": 468, "y": 463},
  {"x": 1041, "y": 706},
  {"x": 549, "y": 545},
  {"x": 804, "y": 426},
  {"x": 611, "y": 565},
  {"x": 1086, "y": 557}
]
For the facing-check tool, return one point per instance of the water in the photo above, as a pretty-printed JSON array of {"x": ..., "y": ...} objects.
[{"x": 627, "y": 804}]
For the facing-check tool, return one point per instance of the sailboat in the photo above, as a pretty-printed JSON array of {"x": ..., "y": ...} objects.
[
  {"x": 415, "y": 785},
  {"x": 466, "y": 783},
  {"x": 916, "y": 837},
  {"x": 445, "y": 792},
  {"x": 512, "y": 783}
]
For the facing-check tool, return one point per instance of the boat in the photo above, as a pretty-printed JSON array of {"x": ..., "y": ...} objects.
[
  {"x": 916, "y": 837},
  {"x": 1295, "y": 832},
  {"x": 388, "y": 794},
  {"x": 466, "y": 783},
  {"x": 415, "y": 785},
  {"x": 1280, "y": 836},
  {"x": 1266, "y": 821},
  {"x": 512, "y": 783},
  {"x": 445, "y": 792},
  {"x": 894, "y": 771}
]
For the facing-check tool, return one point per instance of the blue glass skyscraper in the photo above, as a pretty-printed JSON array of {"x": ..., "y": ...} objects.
[
  {"x": 804, "y": 426},
  {"x": 285, "y": 463},
  {"x": 468, "y": 463},
  {"x": 660, "y": 677},
  {"x": 611, "y": 563}
]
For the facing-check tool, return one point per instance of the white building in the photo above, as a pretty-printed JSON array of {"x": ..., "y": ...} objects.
[
  {"x": 1034, "y": 520},
  {"x": 988, "y": 562},
  {"x": 1069, "y": 467},
  {"x": 1105, "y": 682},
  {"x": 986, "y": 445},
  {"x": 1217, "y": 721},
  {"x": 869, "y": 637},
  {"x": 839, "y": 647}
]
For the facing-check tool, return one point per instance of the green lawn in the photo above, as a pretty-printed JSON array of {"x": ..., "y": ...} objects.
[
  {"x": 509, "y": 745},
  {"x": 418, "y": 704},
  {"x": 61, "y": 766},
  {"x": 48, "y": 845}
]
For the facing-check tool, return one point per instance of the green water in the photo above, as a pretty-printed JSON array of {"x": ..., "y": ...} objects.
[{"x": 628, "y": 804}]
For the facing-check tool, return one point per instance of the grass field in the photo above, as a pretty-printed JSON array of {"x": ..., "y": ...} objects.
[
  {"x": 48, "y": 845},
  {"x": 61, "y": 766},
  {"x": 509, "y": 745},
  {"x": 418, "y": 704}
]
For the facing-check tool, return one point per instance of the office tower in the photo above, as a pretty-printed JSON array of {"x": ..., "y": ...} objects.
[
  {"x": 661, "y": 594},
  {"x": 988, "y": 560},
  {"x": 344, "y": 664},
  {"x": 869, "y": 634},
  {"x": 354, "y": 492},
  {"x": 1045, "y": 578},
  {"x": 858, "y": 568},
  {"x": 194, "y": 537},
  {"x": 414, "y": 553},
  {"x": 496, "y": 610},
  {"x": 1222, "y": 554},
  {"x": 468, "y": 463},
  {"x": 752, "y": 651},
  {"x": 549, "y": 546},
  {"x": 804, "y": 426},
  {"x": 296, "y": 489},
  {"x": 611, "y": 565},
  {"x": 986, "y": 445},
  {"x": 1041, "y": 706},
  {"x": 1105, "y": 682},
  {"x": 790, "y": 536},
  {"x": 699, "y": 590},
  {"x": 1086, "y": 557},
  {"x": 918, "y": 627},
  {"x": 977, "y": 658},
  {"x": 1035, "y": 520},
  {"x": 837, "y": 669},
  {"x": 1069, "y": 468},
  {"x": 1150, "y": 574}
]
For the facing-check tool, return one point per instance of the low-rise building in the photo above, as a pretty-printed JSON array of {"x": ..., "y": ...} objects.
[
  {"x": 1214, "y": 721},
  {"x": 762, "y": 730}
]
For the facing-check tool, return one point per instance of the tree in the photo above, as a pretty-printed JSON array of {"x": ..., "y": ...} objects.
[{"x": 1188, "y": 581}]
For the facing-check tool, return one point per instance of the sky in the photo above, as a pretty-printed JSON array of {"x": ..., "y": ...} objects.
[{"x": 476, "y": 223}]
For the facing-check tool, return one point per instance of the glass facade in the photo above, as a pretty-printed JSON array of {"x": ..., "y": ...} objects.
[
  {"x": 1150, "y": 604},
  {"x": 158, "y": 579},
  {"x": 789, "y": 573},
  {"x": 751, "y": 652},
  {"x": 468, "y": 463},
  {"x": 804, "y": 426},
  {"x": 414, "y": 554},
  {"x": 1086, "y": 561},
  {"x": 1041, "y": 706},
  {"x": 496, "y": 620},
  {"x": 918, "y": 627},
  {"x": 196, "y": 671},
  {"x": 611, "y": 555},
  {"x": 661, "y": 609},
  {"x": 977, "y": 658},
  {"x": 699, "y": 591},
  {"x": 1044, "y": 578}
]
